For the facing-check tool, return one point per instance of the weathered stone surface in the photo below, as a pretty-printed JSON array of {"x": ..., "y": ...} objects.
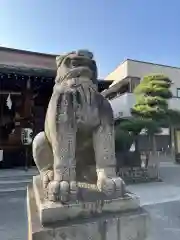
[
  {"x": 68, "y": 201},
  {"x": 139, "y": 174},
  {"x": 130, "y": 224},
  {"x": 92, "y": 204},
  {"x": 78, "y": 132}
]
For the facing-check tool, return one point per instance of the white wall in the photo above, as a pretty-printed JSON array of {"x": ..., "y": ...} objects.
[
  {"x": 140, "y": 69},
  {"x": 121, "y": 105},
  {"x": 174, "y": 103}
]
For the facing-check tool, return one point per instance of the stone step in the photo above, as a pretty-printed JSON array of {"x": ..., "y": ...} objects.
[
  {"x": 16, "y": 178},
  {"x": 17, "y": 192},
  {"x": 19, "y": 172},
  {"x": 9, "y": 184},
  {"x": 9, "y": 190},
  {"x": 17, "y": 175}
]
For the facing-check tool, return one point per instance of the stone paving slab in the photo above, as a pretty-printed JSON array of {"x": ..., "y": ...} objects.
[
  {"x": 165, "y": 221},
  {"x": 13, "y": 220},
  {"x": 164, "y": 211},
  {"x": 11, "y": 190},
  {"x": 153, "y": 193},
  {"x": 17, "y": 172}
]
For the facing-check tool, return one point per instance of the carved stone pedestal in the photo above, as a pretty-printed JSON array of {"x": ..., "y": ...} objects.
[
  {"x": 115, "y": 219},
  {"x": 79, "y": 133}
]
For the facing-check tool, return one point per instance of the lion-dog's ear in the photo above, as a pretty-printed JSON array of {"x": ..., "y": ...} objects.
[
  {"x": 59, "y": 60},
  {"x": 61, "y": 57}
]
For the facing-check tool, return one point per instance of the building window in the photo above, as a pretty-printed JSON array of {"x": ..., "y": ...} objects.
[{"x": 178, "y": 92}]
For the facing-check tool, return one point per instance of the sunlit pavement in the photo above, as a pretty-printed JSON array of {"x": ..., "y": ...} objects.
[
  {"x": 160, "y": 192},
  {"x": 160, "y": 199}
]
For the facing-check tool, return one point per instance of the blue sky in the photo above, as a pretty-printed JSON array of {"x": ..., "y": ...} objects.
[{"x": 114, "y": 30}]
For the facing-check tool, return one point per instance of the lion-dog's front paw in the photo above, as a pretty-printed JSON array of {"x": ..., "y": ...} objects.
[
  {"x": 62, "y": 191},
  {"x": 111, "y": 186},
  {"x": 46, "y": 177}
]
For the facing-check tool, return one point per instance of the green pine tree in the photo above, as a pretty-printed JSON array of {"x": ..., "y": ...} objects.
[{"x": 152, "y": 95}]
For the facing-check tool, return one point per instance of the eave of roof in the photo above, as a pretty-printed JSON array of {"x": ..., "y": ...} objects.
[
  {"x": 115, "y": 87},
  {"x": 139, "y": 61},
  {"x": 157, "y": 64},
  {"x": 27, "y": 52},
  {"x": 41, "y": 72},
  {"x": 27, "y": 70}
]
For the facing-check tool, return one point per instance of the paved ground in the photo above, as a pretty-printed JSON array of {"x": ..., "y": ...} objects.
[
  {"x": 161, "y": 200},
  {"x": 165, "y": 221},
  {"x": 13, "y": 216}
]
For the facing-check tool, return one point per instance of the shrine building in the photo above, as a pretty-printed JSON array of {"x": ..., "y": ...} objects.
[{"x": 26, "y": 83}]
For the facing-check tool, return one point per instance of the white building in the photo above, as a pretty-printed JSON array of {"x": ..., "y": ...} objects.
[{"x": 127, "y": 76}]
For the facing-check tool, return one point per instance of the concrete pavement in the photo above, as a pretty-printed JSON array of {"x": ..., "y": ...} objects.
[
  {"x": 164, "y": 221},
  {"x": 160, "y": 192},
  {"x": 13, "y": 216},
  {"x": 14, "y": 180},
  {"x": 161, "y": 200}
]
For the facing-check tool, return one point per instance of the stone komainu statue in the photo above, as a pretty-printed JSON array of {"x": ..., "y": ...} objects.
[{"x": 79, "y": 131}]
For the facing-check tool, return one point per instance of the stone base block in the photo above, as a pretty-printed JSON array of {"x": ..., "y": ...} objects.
[
  {"x": 108, "y": 225},
  {"x": 139, "y": 174},
  {"x": 92, "y": 204},
  {"x": 153, "y": 172}
]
